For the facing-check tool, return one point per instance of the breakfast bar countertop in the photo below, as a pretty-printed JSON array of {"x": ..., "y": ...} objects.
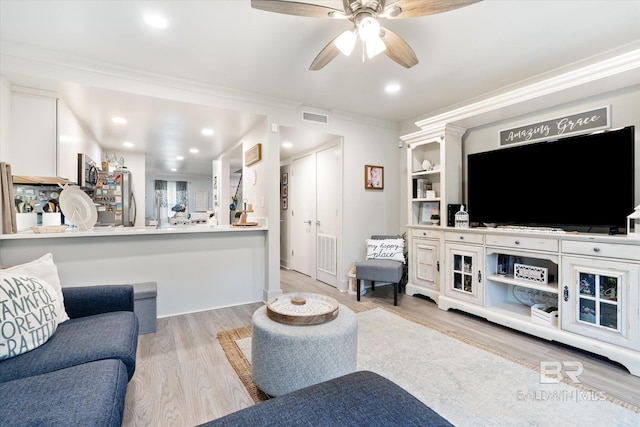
[{"x": 125, "y": 231}]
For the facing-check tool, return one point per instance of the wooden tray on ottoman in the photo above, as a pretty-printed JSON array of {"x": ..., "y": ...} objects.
[{"x": 302, "y": 308}]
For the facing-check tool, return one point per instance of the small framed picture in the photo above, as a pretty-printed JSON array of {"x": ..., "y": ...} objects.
[
  {"x": 285, "y": 191},
  {"x": 373, "y": 177},
  {"x": 285, "y": 178},
  {"x": 285, "y": 203}
]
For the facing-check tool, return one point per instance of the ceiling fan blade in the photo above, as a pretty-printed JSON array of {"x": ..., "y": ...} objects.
[
  {"x": 295, "y": 8},
  {"x": 414, "y": 8},
  {"x": 398, "y": 49},
  {"x": 326, "y": 55}
]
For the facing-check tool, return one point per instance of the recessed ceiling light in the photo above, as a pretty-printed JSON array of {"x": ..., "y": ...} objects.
[
  {"x": 194, "y": 150},
  {"x": 287, "y": 144},
  {"x": 207, "y": 132},
  {"x": 179, "y": 158},
  {"x": 119, "y": 120},
  {"x": 173, "y": 169},
  {"x": 128, "y": 144},
  {"x": 156, "y": 21},
  {"x": 392, "y": 88}
]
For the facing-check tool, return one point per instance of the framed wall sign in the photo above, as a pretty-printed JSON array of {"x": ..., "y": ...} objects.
[
  {"x": 373, "y": 177},
  {"x": 587, "y": 121},
  {"x": 253, "y": 155}
]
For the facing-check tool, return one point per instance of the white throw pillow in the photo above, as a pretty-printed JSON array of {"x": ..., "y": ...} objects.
[
  {"x": 392, "y": 249},
  {"x": 45, "y": 269},
  {"x": 29, "y": 312}
]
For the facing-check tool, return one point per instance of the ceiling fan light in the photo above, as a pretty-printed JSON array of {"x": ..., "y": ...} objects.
[
  {"x": 346, "y": 42},
  {"x": 375, "y": 47},
  {"x": 369, "y": 29}
]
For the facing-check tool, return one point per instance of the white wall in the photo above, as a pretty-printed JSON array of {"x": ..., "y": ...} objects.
[
  {"x": 256, "y": 192},
  {"x": 73, "y": 139},
  {"x": 368, "y": 212},
  {"x": 5, "y": 118}
]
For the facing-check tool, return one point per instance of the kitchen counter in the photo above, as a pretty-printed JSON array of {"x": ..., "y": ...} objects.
[
  {"x": 196, "y": 267},
  {"x": 124, "y": 231}
]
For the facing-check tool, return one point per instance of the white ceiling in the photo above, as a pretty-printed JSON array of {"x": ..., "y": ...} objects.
[{"x": 464, "y": 54}]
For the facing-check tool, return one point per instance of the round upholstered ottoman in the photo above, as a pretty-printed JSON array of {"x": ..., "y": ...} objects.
[{"x": 285, "y": 358}]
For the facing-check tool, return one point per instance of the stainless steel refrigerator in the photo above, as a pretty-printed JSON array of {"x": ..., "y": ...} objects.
[{"x": 114, "y": 199}]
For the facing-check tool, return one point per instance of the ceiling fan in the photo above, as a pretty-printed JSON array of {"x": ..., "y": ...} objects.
[{"x": 365, "y": 14}]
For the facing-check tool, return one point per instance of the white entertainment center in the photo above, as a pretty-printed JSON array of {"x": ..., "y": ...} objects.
[
  {"x": 458, "y": 268},
  {"x": 588, "y": 282}
]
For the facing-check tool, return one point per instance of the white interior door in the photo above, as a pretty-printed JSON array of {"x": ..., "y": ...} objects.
[
  {"x": 328, "y": 218},
  {"x": 302, "y": 184}
]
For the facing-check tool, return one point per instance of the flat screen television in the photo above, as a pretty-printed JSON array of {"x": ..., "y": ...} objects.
[{"x": 582, "y": 183}]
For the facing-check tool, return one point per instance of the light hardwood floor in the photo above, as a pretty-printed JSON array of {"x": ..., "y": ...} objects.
[{"x": 183, "y": 377}]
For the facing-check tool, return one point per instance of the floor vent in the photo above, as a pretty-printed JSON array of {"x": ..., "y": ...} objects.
[{"x": 315, "y": 117}]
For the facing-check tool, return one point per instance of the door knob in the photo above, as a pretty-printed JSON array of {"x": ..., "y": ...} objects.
[
  {"x": 317, "y": 222},
  {"x": 308, "y": 222}
]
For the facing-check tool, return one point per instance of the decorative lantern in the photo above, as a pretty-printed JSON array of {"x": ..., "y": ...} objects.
[
  {"x": 462, "y": 218},
  {"x": 634, "y": 219}
]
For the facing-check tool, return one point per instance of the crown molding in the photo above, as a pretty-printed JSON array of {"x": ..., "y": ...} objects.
[
  {"x": 17, "y": 57},
  {"x": 600, "y": 71}
]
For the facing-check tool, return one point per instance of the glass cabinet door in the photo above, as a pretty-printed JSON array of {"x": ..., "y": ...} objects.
[
  {"x": 600, "y": 300},
  {"x": 464, "y": 272}
]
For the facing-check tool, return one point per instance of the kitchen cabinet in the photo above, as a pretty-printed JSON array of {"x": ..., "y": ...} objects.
[{"x": 34, "y": 132}]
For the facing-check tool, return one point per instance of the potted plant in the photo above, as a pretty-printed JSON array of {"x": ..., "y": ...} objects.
[{"x": 435, "y": 219}]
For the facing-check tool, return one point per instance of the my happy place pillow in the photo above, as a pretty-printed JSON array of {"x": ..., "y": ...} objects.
[
  {"x": 29, "y": 312},
  {"x": 44, "y": 269},
  {"x": 392, "y": 249}
]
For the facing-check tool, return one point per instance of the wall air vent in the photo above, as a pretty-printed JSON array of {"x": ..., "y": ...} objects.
[{"x": 315, "y": 117}]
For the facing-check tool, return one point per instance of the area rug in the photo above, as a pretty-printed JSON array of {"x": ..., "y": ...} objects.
[{"x": 466, "y": 384}]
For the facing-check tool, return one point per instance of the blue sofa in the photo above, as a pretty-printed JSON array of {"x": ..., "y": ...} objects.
[
  {"x": 362, "y": 398},
  {"x": 79, "y": 376}
]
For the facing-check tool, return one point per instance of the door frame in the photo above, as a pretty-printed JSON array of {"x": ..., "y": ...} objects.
[{"x": 285, "y": 229}]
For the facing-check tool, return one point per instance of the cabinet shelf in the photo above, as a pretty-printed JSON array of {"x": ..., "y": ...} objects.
[
  {"x": 509, "y": 280},
  {"x": 435, "y": 199},
  {"x": 517, "y": 311},
  {"x": 418, "y": 174}
]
